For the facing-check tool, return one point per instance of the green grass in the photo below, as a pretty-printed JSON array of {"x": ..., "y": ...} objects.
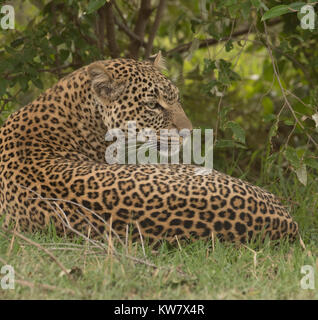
[{"x": 194, "y": 271}]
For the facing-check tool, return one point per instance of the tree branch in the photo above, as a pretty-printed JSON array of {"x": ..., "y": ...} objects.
[
  {"x": 139, "y": 30},
  {"x": 130, "y": 33},
  {"x": 289, "y": 57},
  {"x": 210, "y": 42},
  {"x": 110, "y": 30},
  {"x": 283, "y": 90},
  {"x": 153, "y": 31},
  {"x": 60, "y": 68},
  {"x": 100, "y": 26},
  {"x": 87, "y": 38},
  {"x": 119, "y": 12}
]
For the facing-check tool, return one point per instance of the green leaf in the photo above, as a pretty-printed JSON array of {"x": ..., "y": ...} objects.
[
  {"x": 10, "y": 50},
  {"x": 273, "y": 130},
  {"x": 3, "y": 86},
  {"x": 282, "y": 9},
  {"x": 210, "y": 87},
  {"x": 209, "y": 66},
  {"x": 246, "y": 9},
  {"x": 194, "y": 23},
  {"x": 95, "y": 5},
  {"x": 57, "y": 40},
  {"x": 289, "y": 122},
  {"x": 258, "y": 4},
  {"x": 313, "y": 163},
  {"x": 275, "y": 12},
  {"x": 228, "y": 144},
  {"x": 222, "y": 116},
  {"x": 301, "y": 173},
  {"x": 229, "y": 3},
  {"x": 37, "y": 82},
  {"x": 269, "y": 117},
  {"x": 226, "y": 74},
  {"x": 64, "y": 54},
  {"x": 17, "y": 42},
  {"x": 268, "y": 105},
  {"x": 297, "y": 5},
  {"x": 23, "y": 81},
  {"x": 238, "y": 132},
  {"x": 291, "y": 156},
  {"x": 315, "y": 118},
  {"x": 229, "y": 46},
  {"x": 29, "y": 54}
]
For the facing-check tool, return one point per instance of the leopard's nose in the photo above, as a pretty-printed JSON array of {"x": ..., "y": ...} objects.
[{"x": 181, "y": 121}]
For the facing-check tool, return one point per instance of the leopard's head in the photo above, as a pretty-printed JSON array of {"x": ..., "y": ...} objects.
[{"x": 128, "y": 90}]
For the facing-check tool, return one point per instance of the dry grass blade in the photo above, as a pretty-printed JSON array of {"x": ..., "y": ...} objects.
[
  {"x": 100, "y": 244},
  {"x": 179, "y": 246},
  {"x": 33, "y": 285},
  {"x": 54, "y": 200},
  {"x": 95, "y": 243},
  {"x": 141, "y": 239},
  {"x": 126, "y": 238},
  {"x": 12, "y": 242},
  {"x": 302, "y": 244},
  {"x": 213, "y": 241},
  {"x": 255, "y": 253},
  {"x": 22, "y": 237}
]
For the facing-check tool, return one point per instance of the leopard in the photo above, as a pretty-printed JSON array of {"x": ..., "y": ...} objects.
[{"x": 53, "y": 169}]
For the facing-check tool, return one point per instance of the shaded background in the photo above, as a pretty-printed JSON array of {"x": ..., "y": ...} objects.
[{"x": 253, "y": 81}]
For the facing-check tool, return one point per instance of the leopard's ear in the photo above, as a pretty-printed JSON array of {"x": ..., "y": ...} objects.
[
  {"x": 104, "y": 83},
  {"x": 158, "y": 61}
]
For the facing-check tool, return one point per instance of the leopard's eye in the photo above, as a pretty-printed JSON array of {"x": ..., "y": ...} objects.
[{"x": 153, "y": 105}]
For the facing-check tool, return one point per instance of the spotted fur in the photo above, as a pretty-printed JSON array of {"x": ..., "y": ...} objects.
[{"x": 52, "y": 166}]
